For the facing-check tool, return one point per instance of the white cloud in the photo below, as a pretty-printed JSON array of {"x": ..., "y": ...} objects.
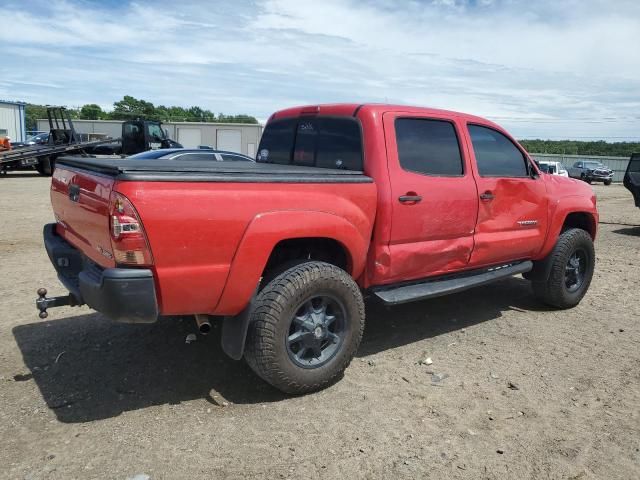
[{"x": 545, "y": 68}]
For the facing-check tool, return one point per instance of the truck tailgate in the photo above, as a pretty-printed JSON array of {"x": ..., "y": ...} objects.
[{"x": 80, "y": 201}]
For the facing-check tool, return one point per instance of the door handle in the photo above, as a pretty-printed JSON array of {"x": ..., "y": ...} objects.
[
  {"x": 74, "y": 192},
  {"x": 410, "y": 198},
  {"x": 486, "y": 196}
]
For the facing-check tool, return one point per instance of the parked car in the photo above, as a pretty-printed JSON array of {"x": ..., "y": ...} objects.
[
  {"x": 39, "y": 139},
  {"x": 589, "y": 171},
  {"x": 632, "y": 178},
  {"x": 193, "y": 154},
  {"x": 552, "y": 168},
  {"x": 343, "y": 200}
]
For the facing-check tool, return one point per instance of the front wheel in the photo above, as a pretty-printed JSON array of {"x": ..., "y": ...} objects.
[
  {"x": 607, "y": 182},
  {"x": 305, "y": 328},
  {"x": 572, "y": 265}
]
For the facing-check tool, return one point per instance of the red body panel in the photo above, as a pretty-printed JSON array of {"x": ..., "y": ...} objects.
[
  {"x": 211, "y": 241},
  {"x": 433, "y": 236},
  {"x": 194, "y": 230},
  {"x": 85, "y": 222}
]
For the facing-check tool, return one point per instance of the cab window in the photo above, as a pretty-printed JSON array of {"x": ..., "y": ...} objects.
[
  {"x": 496, "y": 155},
  {"x": 429, "y": 147}
]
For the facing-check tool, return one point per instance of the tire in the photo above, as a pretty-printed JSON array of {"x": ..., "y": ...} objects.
[
  {"x": 562, "y": 290},
  {"x": 290, "y": 307},
  {"x": 45, "y": 166},
  {"x": 607, "y": 182}
]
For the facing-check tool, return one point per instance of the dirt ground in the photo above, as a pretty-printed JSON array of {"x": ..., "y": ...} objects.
[{"x": 530, "y": 393}]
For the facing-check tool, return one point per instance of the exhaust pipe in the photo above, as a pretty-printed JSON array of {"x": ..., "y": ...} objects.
[{"x": 203, "y": 323}]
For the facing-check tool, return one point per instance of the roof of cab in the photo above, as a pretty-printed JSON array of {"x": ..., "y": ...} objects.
[{"x": 356, "y": 109}]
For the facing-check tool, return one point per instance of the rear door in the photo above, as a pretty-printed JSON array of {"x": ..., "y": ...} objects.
[
  {"x": 434, "y": 196},
  {"x": 512, "y": 218}
]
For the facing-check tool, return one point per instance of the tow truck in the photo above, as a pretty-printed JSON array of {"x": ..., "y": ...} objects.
[{"x": 137, "y": 136}]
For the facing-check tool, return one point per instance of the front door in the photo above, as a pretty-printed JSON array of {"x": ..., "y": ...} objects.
[
  {"x": 434, "y": 197},
  {"x": 512, "y": 217}
]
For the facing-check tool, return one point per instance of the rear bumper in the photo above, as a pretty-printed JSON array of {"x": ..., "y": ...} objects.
[{"x": 122, "y": 294}]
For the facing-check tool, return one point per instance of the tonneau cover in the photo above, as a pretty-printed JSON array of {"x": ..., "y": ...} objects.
[{"x": 129, "y": 169}]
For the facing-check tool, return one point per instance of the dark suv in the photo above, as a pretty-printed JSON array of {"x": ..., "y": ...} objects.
[{"x": 632, "y": 177}]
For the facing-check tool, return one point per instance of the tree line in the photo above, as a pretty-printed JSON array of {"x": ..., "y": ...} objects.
[
  {"x": 575, "y": 147},
  {"x": 131, "y": 108}
]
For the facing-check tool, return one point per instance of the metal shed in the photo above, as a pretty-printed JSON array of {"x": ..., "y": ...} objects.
[{"x": 12, "y": 120}]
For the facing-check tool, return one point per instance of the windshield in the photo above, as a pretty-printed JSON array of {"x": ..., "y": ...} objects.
[
  {"x": 155, "y": 132},
  {"x": 37, "y": 138},
  {"x": 324, "y": 142},
  {"x": 593, "y": 165},
  {"x": 547, "y": 167}
]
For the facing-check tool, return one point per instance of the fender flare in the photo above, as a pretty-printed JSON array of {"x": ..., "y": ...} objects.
[
  {"x": 265, "y": 231},
  {"x": 559, "y": 213}
]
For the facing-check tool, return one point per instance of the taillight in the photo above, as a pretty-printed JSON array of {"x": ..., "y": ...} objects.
[{"x": 128, "y": 240}]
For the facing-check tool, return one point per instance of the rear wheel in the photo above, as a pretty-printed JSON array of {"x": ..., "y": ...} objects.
[
  {"x": 305, "y": 328},
  {"x": 572, "y": 265},
  {"x": 45, "y": 166}
]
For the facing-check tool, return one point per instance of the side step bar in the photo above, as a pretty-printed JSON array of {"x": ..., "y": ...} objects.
[{"x": 437, "y": 288}]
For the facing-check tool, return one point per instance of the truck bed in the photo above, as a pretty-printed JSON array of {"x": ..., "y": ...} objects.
[
  {"x": 196, "y": 216},
  {"x": 126, "y": 169}
]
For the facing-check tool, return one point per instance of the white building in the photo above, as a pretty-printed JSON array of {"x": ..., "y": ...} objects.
[
  {"x": 234, "y": 137},
  {"x": 12, "y": 121}
]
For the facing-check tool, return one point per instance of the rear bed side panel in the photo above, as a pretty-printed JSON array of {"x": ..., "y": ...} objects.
[
  {"x": 265, "y": 231},
  {"x": 194, "y": 229}
]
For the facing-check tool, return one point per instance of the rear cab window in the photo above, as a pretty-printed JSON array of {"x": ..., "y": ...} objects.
[{"x": 324, "y": 142}]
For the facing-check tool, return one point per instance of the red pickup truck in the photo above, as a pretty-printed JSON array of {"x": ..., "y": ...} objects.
[{"x": 400, "y": 202}]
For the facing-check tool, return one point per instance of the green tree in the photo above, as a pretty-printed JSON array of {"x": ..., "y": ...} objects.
[
  {"x": 574, "y": 147},
  {"x": 32, "y": 113},
  {"x": 130, "y": 107},
  {"x": 91, "y": 111}
]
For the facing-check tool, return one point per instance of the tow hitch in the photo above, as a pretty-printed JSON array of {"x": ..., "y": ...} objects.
[{"x": 42, "y": 302}]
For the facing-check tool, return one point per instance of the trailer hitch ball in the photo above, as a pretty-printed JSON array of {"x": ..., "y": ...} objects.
[{"x": 43, "y": 303}]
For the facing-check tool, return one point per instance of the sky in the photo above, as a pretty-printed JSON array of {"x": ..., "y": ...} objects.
[{"x": 542, "y": 69}]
